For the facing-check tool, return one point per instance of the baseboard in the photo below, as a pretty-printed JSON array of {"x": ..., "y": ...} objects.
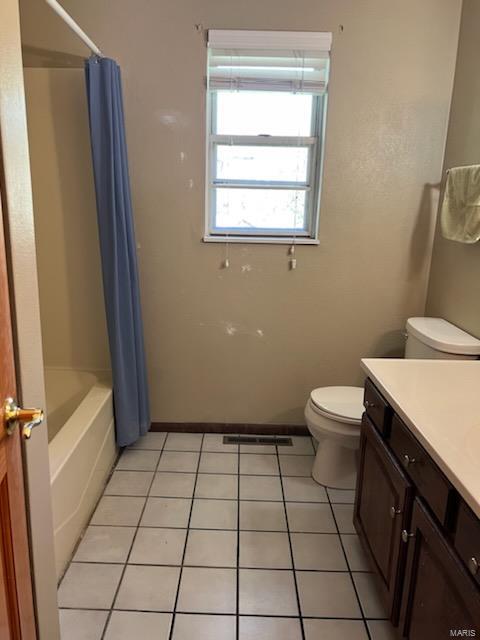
[{"x": 229, "y": 427}]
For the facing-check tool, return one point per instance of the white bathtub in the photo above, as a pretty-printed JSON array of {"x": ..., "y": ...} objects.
[{"x": 82, "y": 451}]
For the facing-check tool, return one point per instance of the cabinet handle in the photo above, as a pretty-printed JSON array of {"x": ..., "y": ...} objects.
[
  {"x": 406, "y": 535},
  {"x": 394, "y": 512},
  {"x": 368, "y": 405},
  {"x": 473, "y": 566},
  {"x": 408, "y": 460}
]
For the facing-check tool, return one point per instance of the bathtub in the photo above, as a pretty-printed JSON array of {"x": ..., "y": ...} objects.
[{"x": 82, "y": 451}]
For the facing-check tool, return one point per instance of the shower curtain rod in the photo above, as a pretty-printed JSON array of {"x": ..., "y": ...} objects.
[{"x": 67, "y": 18}]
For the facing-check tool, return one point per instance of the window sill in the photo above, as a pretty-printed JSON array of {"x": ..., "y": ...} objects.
[{"x": 261, "y": 240}]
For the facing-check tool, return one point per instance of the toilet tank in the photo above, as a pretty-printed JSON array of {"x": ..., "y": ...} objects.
[{"x": 437, "y": 339}]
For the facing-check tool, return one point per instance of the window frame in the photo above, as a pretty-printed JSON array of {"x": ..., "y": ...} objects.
[{"x": 312, "y": 187}]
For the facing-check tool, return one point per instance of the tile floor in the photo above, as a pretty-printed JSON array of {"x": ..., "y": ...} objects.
[{"x": 197, "y": 540}]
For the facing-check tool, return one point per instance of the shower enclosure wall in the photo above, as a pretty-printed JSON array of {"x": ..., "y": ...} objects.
[{"x": 79, "y": 396}]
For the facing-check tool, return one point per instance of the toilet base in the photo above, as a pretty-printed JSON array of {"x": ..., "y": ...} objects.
[{"x": 335, "y": 466}]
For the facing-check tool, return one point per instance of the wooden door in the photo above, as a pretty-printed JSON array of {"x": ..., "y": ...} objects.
[
  {"x": 440, "y": 599},
  {"x": 16, "y": 601},
  {"x": 382, "y": 509}
]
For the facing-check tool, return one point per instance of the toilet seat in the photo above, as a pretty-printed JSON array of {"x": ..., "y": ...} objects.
[{"x": 342, "y": 404}]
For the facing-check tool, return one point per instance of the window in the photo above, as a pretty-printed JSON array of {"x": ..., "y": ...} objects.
[{"x": 266, "y": 99}]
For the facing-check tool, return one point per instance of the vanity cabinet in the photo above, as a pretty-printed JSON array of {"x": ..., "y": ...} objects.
[
  {"x": 438, "y": 594},
  {"x": 419, "y": 535},
  {"x": 382, "y": 508}
]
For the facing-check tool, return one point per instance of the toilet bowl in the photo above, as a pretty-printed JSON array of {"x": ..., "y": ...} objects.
[{"x": 333, "y": 416}]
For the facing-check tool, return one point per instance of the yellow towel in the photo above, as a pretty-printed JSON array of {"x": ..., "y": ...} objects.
[{"x": 460, "y": 215}]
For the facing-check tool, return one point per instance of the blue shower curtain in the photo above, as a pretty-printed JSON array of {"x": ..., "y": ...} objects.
[{"x": 117, "y": 248}]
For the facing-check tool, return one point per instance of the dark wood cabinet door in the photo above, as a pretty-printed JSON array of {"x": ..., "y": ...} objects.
[
  {"x": 382, "y": 509},
  {"x": 440, "y": 599}
]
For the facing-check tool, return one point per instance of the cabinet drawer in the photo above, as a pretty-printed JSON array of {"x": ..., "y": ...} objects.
[
  {"x": 467, "y": 540},
  {"x": 429, "y": 480},
  {"x": 377, "y": 408}
]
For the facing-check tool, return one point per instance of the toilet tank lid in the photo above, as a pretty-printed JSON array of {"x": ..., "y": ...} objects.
[
  {"x": 443, "y": 336},
  {"x": 344, "y": 402}
]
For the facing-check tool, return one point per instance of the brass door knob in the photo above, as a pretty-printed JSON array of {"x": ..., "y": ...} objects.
[{"x": 14, "y": 415}]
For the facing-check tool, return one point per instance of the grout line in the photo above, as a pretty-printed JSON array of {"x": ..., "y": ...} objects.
[
  {"x": 149, "y": 526},
  {"x": 302, "y": 629},
  {"x": 107, "y": 621},
  {"x": 216, "y": 566},
  {"x": 152, "y": 495},
  {"x": 172, "y": 624},
  {"x": 231, "y": 615},
  {"x": 237, "y": 595},
  {"x": 349, "y": 570}
]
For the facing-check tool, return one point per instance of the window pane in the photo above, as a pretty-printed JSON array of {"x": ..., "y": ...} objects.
[
  {"x": 251, "y": 209},
  {"x": 282, "y": 164},
  {"x": 254, "y": 113}
]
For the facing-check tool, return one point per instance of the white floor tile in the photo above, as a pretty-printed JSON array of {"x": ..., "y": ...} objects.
[
  {"x": 89, "y": 586},
  {"x": 166, "y": 512},
  {"x": 318, "y": 551},
  {"x": 214, "y": 514},
  {"x": 151, "y": 440},
  {"x": 218, "y": 463},
  {"x": 327, "y": 594},
  {"x": 262, "y": 516},
  {"x": 105, "y": 544},
  {"x": 260, "y": 488},
  {"x": 173, "y": 485},
  {"x": 146, "y": 588},
  {"x": 130, "y": 625},
  {"x": 204, "y": 627},
  {"x": 256, "y": 628},
  {"x": 259, "y": 464},
  {"x": 118, "y": 511},
  {"x": 158, "y": 546},
  {"x": 335, "y": 630},
  {"x": 211, "y": 485},
  {"x": 344, "y": 517},
  {"x": 341, "y": 496},
  {"x": 211, "y": 548},
  {"x": 267, "y": 593},
  {"x": 381, "y": 630},
  {"x": 207, "y": 590},
  {"x": 303, "y": 489},
  {"x": 267, "y": 596},
  {"x": 265, "y": 550},
  {"x": 292, "y": 465},
  {"x": 307, "y": 517},
  {"x": 129, "y": 483},
  {"x": 138, "y": 460},
  {"x": 301, "y": 445},
  {"x": 214, "y": 442},
  {"x": 356, "y": 556},
  {"x": 183, "y": 442},
  {"x": 78, "y": 624},
  {"x": 258, "y": 448},
  {"x": 178, "y": 461},
  {"x": 369, "y": 594}
]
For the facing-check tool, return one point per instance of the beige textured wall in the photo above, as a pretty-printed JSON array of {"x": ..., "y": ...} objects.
[
  {"x": 249, "y": 343},
  {"x": 71, "y": 294},
  {"x": 454, "y": 289}
]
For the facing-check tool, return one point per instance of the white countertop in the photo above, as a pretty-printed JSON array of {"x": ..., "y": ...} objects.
[{"x": 439, "y": 401}]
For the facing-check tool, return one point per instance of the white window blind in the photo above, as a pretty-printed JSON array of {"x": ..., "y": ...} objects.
[{"x": 277, "y": 61}]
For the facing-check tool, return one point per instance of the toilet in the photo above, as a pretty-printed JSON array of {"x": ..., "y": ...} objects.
[{"x": 334, "y": 414}]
